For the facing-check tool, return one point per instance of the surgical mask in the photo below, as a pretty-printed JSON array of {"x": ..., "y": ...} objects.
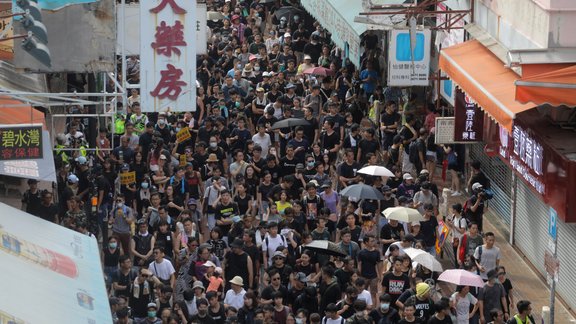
[
  {"x": 384, "y": 307},
  {"x": 151, "y": 314},
  {"x": 213, "y": 144},
  {"x": 299, "y": 321},
  {"x": 113, "y": 245},
  {"x": 311, "y": 164},
  {"x": 161, "y": 122},
  {"x": 256, "y": 68},
  {"x": 237, "y": 104},
  {"x": 120, "y": 204},
  {"x": 239, "y": 66},
  {"x": 178, "y": 129},
  {"x": 144, "y": 185}
]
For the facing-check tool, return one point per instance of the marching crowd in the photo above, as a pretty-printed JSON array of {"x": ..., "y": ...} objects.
[{"x": 204, "y": 216}]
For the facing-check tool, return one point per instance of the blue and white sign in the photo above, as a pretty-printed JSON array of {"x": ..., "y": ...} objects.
[
  {"x": 49, "y": 5},
  {"x": 409, "y": 65},
  {"x": 553, "y": 223}
]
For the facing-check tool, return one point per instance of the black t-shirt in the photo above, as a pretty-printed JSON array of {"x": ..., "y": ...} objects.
[
  {"x": 329, "y": 141},
  {"x": 288, "y": 166},
  {"x": 218, "y": 317},
  {"x": 367, "y": 146},
  {"x": 275, "y": 171},
  {"x": 407, "y": 135},
  {"x": 310, "y": 130},
  {"x": 264, "y": 190},
  {"x": 369, "y": 261},
  {"x": 395, "y": 285},
  {"x": 268, "y": 291},
  {"x": 428, "y": 230},
  {"x": 48, "y": 212},
  {"x": 389, "y": 232},
  {"x": 204, "y": 320},
  {"x": 390, "y": 120},
  {"x": 243, "y": 203},
  {"x": 435, "y": 320},
  {"x": 225, "y": 212},
  {"x": 348, "y": 171}
]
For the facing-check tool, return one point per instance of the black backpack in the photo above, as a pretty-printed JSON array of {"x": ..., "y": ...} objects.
[{"x": 413, "y": 151}]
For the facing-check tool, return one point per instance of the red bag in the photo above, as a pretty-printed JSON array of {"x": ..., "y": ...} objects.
[{"x": 462, "y": 250}]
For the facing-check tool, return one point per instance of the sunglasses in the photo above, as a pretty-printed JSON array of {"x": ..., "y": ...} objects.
[{"x": 277, "y": 278}]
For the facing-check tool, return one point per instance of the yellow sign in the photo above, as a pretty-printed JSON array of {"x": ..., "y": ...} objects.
[
  {"x": 183, "y": 160},
  {"x": 183, "y": 134},
  {"x": 127, "y": 178}
]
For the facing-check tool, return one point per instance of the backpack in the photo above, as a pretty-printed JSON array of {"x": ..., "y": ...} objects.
[
  {"x": 283, "y": 241},
  {"x": 413, "y": 155}
]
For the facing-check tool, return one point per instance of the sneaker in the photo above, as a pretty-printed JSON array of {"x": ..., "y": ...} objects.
[{"x": 456, "y": 194}]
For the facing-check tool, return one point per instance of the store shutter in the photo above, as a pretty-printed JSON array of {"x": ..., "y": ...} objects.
[
  {"x": 500, "y": 177},
  {"x": 567, "y": 276},
  {"x": 531, "y": 226}
]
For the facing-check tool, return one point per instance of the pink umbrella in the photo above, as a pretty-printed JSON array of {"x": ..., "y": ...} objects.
[
  {"x": 318, "y": 71},
  {"x": 462, "y": 278}
]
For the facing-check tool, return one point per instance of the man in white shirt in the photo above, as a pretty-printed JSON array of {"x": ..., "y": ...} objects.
[
  {"x": 162, "y": 268},
  {"x": 263, "y": 139},
  {"x": 487, "y": 256},
  {"x": 332, "y": 316},
  {"x": 235, "y": 295},
  {"x": 271, "y": 242}
]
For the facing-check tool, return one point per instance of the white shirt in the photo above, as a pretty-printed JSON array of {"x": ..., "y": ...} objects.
[
  {"x": 327, "y": 320},
  {"x": 365, "y": 296},
  {"x": 273, "y": 244},
  {"x": 235, "y": 299},
  {"x": 263, "y": 141},
  {"x": 162, "y": 270}
]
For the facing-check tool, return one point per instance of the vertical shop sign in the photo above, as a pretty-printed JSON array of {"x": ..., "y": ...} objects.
[
  {"x": 168, "y": 55},
  {"x": 469, "y": 119},
  {"x": 409, "y": 65}
]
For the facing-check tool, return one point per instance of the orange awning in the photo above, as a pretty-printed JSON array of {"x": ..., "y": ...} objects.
[
  {"x": 485, "y": 79},
  {"x": 556, "y": 88},
  {"x": 16, "y": 112}
]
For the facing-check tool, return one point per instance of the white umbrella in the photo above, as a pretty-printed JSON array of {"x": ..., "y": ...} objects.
[
  {"x": 376, "y": 170},
  {"x": 403, "y": 214},
  {"x": 426, "y": 259}
]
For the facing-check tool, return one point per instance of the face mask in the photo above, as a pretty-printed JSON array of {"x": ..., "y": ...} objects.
[
  {"x": 256, "y": 68},
  {"x": 119, "y": 205},
  {"x": 177, "y": 129},
  {"x": 151, "y": 314},
  {"x": 144, "y": 185},
  {"x": 237, "y": 104},
  {"x": 113, "y": 245},
  {"x": 384, "y": 307},
  {"x": 311, "y": 164},
  {"x": 299, "y": 321},
  {"x": 239, "y": 66},
  {"x": 161, "y": 121},
  {"x": 213, "y": 144}
]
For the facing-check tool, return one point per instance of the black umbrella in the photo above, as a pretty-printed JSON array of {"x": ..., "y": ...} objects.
[
  {"x": 288, "y": 12},
  {"x": 362, "y": 191},
  {"x": 325, "y": 247},
  {"x": 290, "y": 122}
]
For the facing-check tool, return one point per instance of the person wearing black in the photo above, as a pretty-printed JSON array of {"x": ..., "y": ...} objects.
[
  {"x": 478, "y": 176},
  {"x": 32, "y": 197},
  {"x": 383, "y": 313},
  {"x": 395, "y": 282},
  {"x": 330, "y": 290},
  {"x": 369, "y": 264},
  {"x": 392, "y": 232},
  {"x": 48, "y": 210},
  {"x": 347, "y": 170},
  {"x": 238, "y": 263},
  {"x": 224, "y": 209},
  {"x": 123, "y": 277},
  {"x": 330, "y": 140},
  {"x": 202, "y": 316}
]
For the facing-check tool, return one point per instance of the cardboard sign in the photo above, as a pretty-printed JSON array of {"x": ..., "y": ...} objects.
[
  {"x": 183, "y": 160},
  {"x": 183, "y": 134},
  {"x": 127, "y": 178}
]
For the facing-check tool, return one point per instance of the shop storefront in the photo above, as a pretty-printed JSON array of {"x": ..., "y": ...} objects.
[{"x": 530, "y": 161}]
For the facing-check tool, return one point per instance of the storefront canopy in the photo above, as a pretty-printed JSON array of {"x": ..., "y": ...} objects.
[
  {"x": 484, "y": 78},
  {"x": 337, "y": 16},
  {"x": 556, "y": 88}
]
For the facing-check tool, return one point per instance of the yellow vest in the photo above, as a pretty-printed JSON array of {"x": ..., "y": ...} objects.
[{"x": 119, "y": 124}]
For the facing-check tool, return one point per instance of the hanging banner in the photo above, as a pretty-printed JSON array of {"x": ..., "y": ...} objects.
[
  {"x": 407, "y": 67},
  {"x": 21, "y": 142},
  {"x": 168, "y": 55},
  {"x": 468, "y": 119},
  {"x": 131, "y": 25}
]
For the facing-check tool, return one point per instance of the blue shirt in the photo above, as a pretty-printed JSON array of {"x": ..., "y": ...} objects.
[{"x": 370, "y": 85}]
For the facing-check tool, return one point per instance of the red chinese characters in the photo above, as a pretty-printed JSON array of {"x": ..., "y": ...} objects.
[
  {"x": 168, "y": 38},
  {"x": 175, "y": 8},
  {"x": 170, "y": 85}
]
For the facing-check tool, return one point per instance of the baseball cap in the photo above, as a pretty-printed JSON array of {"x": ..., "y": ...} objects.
[
  {"x": 476, "y": 186},
  {"x": 192, "y": 201},
  {"x": 416, "y": 223},
  {"x": 287, "y": 35},
  {"x": 152, "y": 305},
  {"x": 81, "y": 160},
  {"x": 409, "y": 237},
  {"x": 301, "y": 276},
  {"x": 279, "y": 254},
  {"x": 424, "y": 171},
  {"x": 407, "y": 176},
  {"x": 73, "y": 178},
  {"x": 307, "y": 57}
]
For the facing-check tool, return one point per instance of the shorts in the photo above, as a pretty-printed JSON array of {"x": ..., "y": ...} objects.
[
  {"x": 372, "y": 285},
  {"x": 431, "y": 156}
]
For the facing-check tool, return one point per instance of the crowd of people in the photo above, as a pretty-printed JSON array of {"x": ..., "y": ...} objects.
[{"x": 212, "y": 227}]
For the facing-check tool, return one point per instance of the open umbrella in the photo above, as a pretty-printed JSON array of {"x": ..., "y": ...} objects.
[
  {"x": 403, "y": 214},
  {"x": 214, "y": 15},
  {"x": 461, "y": 277},
  {"x": 325, "y": 247},
  {"x": 287, "y": 11},
  {"x": 424, "y": 258},
  {"x": 362, "y": 191},
  {"x": 319, "y": 70},
  {"x": 376, "y": 170},
  {"x": 290, "y": 122}
]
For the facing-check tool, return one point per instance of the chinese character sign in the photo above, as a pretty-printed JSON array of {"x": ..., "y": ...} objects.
[
  {"x": 468, "y": 119},
  {"x": 21, "y": 143},
  {"x": 168, "y": 55},
  {"x": 409, "y": 65}
]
